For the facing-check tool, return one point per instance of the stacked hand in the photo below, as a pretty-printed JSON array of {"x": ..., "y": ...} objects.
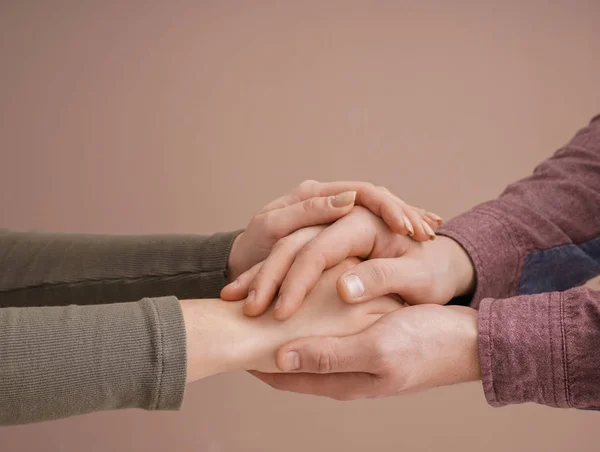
[
  {"x": 315, "y": 204},
  {"x": 221, "y": 338},
  {"x": 409, "y": 349}
]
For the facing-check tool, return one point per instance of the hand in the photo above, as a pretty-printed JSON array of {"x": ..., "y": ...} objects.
[
  {"x": 220, "y": 338},
  {"x": 425, "y": 273},
  {"x": 408, "y": 350},
  {"x": 313, "y": 203}
]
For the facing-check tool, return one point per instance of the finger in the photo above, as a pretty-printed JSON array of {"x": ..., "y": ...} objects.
[
  {"x": 422, "y": 229},
  {"x": 343, "y": 386},
  {"x": 387, "y": 206},
  {"x": 310, "y": 212},
  {"x": 350, "y": 236},
  {"x": 268, "y": 279},
  {"x": 434, "y": 225},
  {"x": 396, "y": 213},
  {"x": 293, "y": 198},
  {"x": 420, "y": 225},
  {"x": 377, "y": 201},
  {"x": 377, "y": 277},
  {"x": 434, "y": 218},
  {"x": 238, "y": 289},
  {"x": 326, "y": 355}
]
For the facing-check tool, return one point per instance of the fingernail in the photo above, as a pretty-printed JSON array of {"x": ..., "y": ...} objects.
[
  {"x": 409, "y": 227},
  {"x": 354, "y": 286},
  {"x": 435, "y": 217},
  {"x": 250, "y": 298},
  {"x": 429, "y": 231},
  {"x": 291, "y": 361},
  {"x": 343, "y": 199}
]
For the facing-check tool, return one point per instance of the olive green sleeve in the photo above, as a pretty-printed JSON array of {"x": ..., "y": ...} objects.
[
  {"x": 72, "y": 338},
  {"x": 48, "y": 269}
]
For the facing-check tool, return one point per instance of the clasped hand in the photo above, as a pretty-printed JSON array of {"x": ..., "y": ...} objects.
[{"x": 400, "y": 340}]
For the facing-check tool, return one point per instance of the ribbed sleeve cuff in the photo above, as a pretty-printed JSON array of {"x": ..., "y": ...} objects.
[
  {"x": 169, "y": 340},
  {"x": 63, "y": 361}
]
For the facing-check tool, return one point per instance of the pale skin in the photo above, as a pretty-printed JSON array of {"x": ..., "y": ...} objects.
[
  {"x": 411, "y": 349},
  {"x": 313, "y": 203},
  {"x": 220, "y": 338}
]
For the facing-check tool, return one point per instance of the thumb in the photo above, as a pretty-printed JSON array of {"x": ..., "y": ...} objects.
[
  {"x": 376, "y": 277},
  {"x": 325, "y": 355}
]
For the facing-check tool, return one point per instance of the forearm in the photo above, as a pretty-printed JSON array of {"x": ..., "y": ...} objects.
[
  {"x": 62, "y": 361},
  {"x": 542, "y": 348},
  {"x": 549, "y": 218},
  {"x": 47, "y": 269}
]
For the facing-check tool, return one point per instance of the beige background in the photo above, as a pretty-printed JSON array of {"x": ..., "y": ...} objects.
[{"x": 176, "y": 116}]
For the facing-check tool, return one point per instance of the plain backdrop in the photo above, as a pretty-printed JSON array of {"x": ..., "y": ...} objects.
[{"x": 188, "y": 116}]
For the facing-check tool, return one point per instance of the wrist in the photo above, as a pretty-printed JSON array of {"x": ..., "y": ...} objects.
[
  {"x": 460, "y": 269},
  {"x": 468, "y": 345},
  {"x": 218, "y": 339}
]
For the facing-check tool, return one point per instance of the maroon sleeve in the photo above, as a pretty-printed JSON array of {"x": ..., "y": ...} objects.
[
  {"x": 540, "y": 341},
  {"x": 542, "y": 348},
  {"x": 558, "y": 205}
]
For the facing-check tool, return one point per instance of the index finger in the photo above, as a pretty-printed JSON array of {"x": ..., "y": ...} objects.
[
  {"x": 348, "y": 237},
  {"x": 380, "y": 202}
]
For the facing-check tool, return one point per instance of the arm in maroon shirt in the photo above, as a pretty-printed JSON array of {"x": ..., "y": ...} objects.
[{"x": 539, "y": 337}]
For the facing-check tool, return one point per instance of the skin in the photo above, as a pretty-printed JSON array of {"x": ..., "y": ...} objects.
[
  {"x": 221, "y": 338},
  {"x": 408, "y": 350},
  {"x": 313, "y": 203},
  {"x": 296, "y": 261}
]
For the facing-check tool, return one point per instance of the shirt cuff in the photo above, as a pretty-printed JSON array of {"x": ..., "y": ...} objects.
[
  {"x": 493, "y": 249},
  {"x": 522, "y": 350}
]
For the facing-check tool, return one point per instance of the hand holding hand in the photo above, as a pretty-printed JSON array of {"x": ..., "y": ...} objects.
[
  {"x": 221, "y": 338},
  {"x": 431, "y": 272},
  {"x": 410, "y": 349}
]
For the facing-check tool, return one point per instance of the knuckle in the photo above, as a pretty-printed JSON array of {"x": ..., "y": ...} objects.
[
  {"x": 305, "y": 186},
  {"x": 310, "y": 205},
  {"x": 271, "y": 225},
  {"x": 382, "y": 353},
  {"x": 370, "y": 185},
  {"x": 327, "y": 360},
  {"x": 308, "y": 183},
  {"x": 323, "y": 363},
  {"x": 380, "y": 274}
]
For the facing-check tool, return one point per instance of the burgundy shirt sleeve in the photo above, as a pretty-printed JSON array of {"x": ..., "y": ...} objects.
[
  {"x": 542, "y": 348},
  {"x": 539, "y": 239}
]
